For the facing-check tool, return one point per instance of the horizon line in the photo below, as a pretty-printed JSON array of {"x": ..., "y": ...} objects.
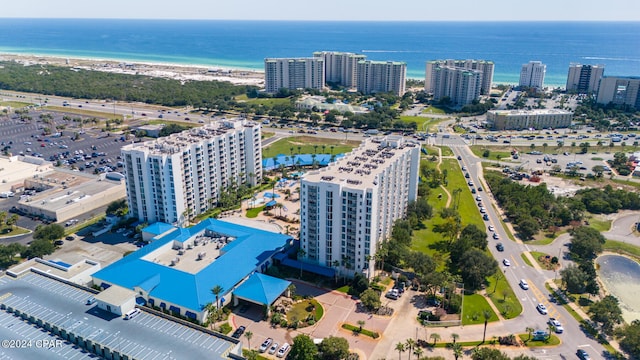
[{"x": 331, "y": 20}]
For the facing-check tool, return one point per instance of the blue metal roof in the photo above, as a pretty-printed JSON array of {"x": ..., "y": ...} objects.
[
  {"x": 158, "y": 228},
  {"x": 250, "y": 248},
  {"x": 262, "y": 289}
]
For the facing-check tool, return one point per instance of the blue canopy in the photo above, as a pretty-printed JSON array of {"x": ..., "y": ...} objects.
[
  {"x": 261, "y": 288},
  {"x": 271, "y": 195},
  {"x": 271, "y": 203}
]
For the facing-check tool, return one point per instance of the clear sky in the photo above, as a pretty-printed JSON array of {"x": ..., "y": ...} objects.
[{"x": 429, "y": 10}]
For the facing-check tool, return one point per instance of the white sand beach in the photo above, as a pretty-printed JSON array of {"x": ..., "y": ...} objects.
[{"x": 169, "y": 71}]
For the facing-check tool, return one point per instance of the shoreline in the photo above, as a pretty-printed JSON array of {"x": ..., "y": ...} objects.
[{"x": 182, "y": 72}]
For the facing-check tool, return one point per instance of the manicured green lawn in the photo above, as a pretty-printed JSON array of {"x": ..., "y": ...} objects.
[
  {"x": 307, "y": 146},
  {"x": 503, "y": 297},
  {"x": 166, "y": 122},
  {"x": 478, "y": 150},
  {"x": 472, "y": 308},
  {"x": 551, "y": 341},
  {"x": 343, "y": 289},
  {"x": 6, "y": 231},
  {"x": 89, "y": 113},
  {"x": 266, "y": 102},
  {"x": 267, "y": 134},
  {"x": 252, "y": 213},
  {"x": 14, "y": 104},
  {"x": 599, "y": 224},
  {"x": 356, "y": 329},
  {"x": 300, "y": 311},
  {"x": 624, "y": 248},
  {"x": 525, "y": 258},
  {"x": 424, "y": 123},
  {"x": 446, "y": 151},
  {"x": 434, "y": 110}
]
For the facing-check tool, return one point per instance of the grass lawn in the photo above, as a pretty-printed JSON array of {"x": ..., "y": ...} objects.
[
  {"x": 542, "y": 239},
  {"x": 363, "y": 331},
  {"x": 425, "y": 240},
  {"x": 599, "y": 224},
  {"x": 343, "y": 289},
  {"x": 525, "y": 258},
  {"x": 6, "y": 231},
  {"x": 72, "y": 110},
  {"x": 503, "y": 297},
  {"x": 551, "y": 341},
  {"x": 252, "y": 213},
  {"x": 306, "y": 144},
  {"x": 424, "y": 123},
  {"x": 167, "y": 122},
  {"x": 478, "y": 150},
  {"x": 248, "y": 353},
  {"x": 622, "y": 248},
  {"x": 265, "y": 101},
  {"x": 303, "y": 309},
  {"x": 543, "y": 264},
  {"x": 446, "y": 151},
  {"x": 266, "y": 134},
  {"x": 472, "y": 307},
  {"x": 434, "y": 110},
  {"x": 14, "y": 104}
]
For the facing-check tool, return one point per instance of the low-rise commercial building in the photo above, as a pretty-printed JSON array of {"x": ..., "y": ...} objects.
[{"x": 528, "y": 119}]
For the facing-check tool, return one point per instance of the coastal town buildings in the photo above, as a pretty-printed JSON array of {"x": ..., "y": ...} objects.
[
  {"x": 382, "y": 76},
  {"x": 528, "y": 119},
  {"x": 584, "y": 79},
  {"x": 620, "y": 90},
  {"x": 340, "y": 68},
  {"x": 459, "y": 85},
  {"x": 532, "y": 74},
  {"x": 486, "y": 67},
  {"x": 182, "y": 175},
  {"x": 293, "y": 73},
  {"x": 348, "y": 208}
]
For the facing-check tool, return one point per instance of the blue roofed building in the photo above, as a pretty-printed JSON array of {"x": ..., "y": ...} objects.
[{"x": 180, "y": 266}]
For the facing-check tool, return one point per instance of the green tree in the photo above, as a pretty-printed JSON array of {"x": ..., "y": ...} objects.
[
  {"x": 217, "y": 290},
  {"x": 629, "y": 338},
  {"x": 486, "y": 314},
  {"x": 333, "y": 348},
  {"x": 475, "y": 266},
  {"x": 370, "y": 299},
  {"x": 574, "y": 279},
  {"x": 303, "y": 348},
  {"x": 48, "y": 232},
  {"x": 488, "y": 354},
  {"x": 607, "y": 313},
  {"x": 400, "y": 348},
  {"x": 529, "y": 331},
  {"x": 586, "y": 243},
  {"x": 435, "y": 337},
  {"x": 457, "y": 350},
  {"x": 39, "y": 248},
  {"x": 410, "y": 344},
  {"x": 249, "y": 336}
]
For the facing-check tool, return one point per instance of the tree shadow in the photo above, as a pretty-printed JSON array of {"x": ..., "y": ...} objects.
[{"x": 441, "y": 246}]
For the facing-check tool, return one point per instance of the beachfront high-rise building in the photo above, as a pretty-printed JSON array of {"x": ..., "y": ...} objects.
[
  {"x": 486, "y": 67},
  {"x": 532, "y": 74},
  {"x": 293, "y": 73},
  {"x": 460, "y": 85},
  {"x": 348, "y": 208},
  {"x": 584, "y": 79},
  {"x": 340, "y": 68},
  {"x": 620, "y": 90},
  {"x": 182, "y": 175},
  {"x": 382, "y": 76}
]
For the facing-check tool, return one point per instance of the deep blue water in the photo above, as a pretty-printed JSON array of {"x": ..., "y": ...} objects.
[{"x": 245, "y": 44}]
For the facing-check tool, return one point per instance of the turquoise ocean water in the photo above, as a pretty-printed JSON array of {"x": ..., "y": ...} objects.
[{"x": 245, "y": 44}]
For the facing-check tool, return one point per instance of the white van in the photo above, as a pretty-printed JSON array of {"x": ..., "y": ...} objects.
[{"x": 131, "y": 314}]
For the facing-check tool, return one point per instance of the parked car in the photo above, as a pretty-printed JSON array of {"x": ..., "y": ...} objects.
[
  {"x": 265, "y": 344},
  {"x": 273, "y": 348},
  {"x": 283, "y": 350},
  {"x": 239, "y": 331},
  {"x": 91, "y": 301}
]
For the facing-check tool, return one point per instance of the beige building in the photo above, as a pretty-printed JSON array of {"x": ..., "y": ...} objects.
[
  {"x": 620, "y": 90},
  {"x": 528, "y": 119},
  {"x": 584, "y": 79},
  {"x": 340, "y": 68},
  {"x": 293, "y": 73},
  {"x": 382, "y": 76},
  {"x": 485, "y": 67}
]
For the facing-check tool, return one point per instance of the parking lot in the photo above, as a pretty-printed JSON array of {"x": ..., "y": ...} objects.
[
  {"x": 144, "y": 337},
  {"x": 26, "y": 137}
]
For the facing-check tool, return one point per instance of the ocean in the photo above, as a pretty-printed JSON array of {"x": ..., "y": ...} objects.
[{"x": 245, "y": 44}]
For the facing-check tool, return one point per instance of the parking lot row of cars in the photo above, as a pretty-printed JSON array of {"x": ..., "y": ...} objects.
[{"x": 272, "y": 347}]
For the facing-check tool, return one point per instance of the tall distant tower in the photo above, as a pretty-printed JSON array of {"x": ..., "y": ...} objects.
[
  {"x": 293, "y": 73},
  {"x": 532, "y": 74},
  {"x": 340, "y": 68},
  {"x": 382, "y": 76},
  {"x": 584, "y": 79},
  {"x": 462, "y": 86},
  {"x": 484, "y": 66}
]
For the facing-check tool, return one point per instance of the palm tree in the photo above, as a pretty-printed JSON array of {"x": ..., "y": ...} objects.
[
  {"x": 217, "y": 290},
  {"x": 457, "y": 350},
  {"x": 400, "y": 347},
  {"x": 410, "y": 344},
  {"x": 299, "y": 147},
  {"x": 361, "y": 324},
  {"x": 291, "y": 150},
  {"x": 529, "y": 330},
  {"x": 487, "y": 315},
  {"x": 332, "y": 149},
  {"x": 454, "y": 337},
  {"x": 248, "y": 335},
  {"x": 315, "y": 149},
  {"x": 324, "y": 148},
  {"x": 418, "y": 352},
  {"x": 301, "y": 254},
  {"x": 336, "y": 264},
  {"x": 435, "y": 337}
]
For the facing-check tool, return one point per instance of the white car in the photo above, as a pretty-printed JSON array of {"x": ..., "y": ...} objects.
[
  {"x": 265, "y": 344},
  {"x": 557, "y": 326},
  {"x": 273, "y": 348},
  {"x": 491, "y": 228},
  {"x": 283, "y": 350},
  {"x": 495, "y": 236},
  {"x": 542, "y": 309},
  {"x": 524, "y": 284},
  {"x": 506, "y": 262}
]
